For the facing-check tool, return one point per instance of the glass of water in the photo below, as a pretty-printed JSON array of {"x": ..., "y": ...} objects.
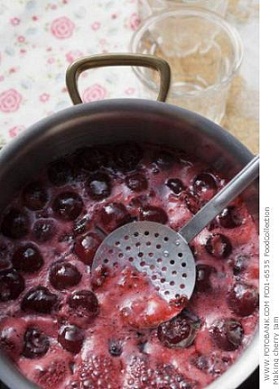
[
  {"x": 203, "y": 51},
  {"x": 151, "y": 7}
]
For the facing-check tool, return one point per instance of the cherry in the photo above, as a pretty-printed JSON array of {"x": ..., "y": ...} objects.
[
  {"x": 84, "y": 302},
  {"x": 192, "y": 202},
  {"x": 71, "y": 338},
  {"x": 44, "y": 230},
  {"x": 67, "y": 205},
  {"x": 243, "y": 299},
  {"x": 4, "y": 263},
  {"x": 153, "y": 214},
  {"x": 4, "y": 256},
  {"x": 115, "y": 348},
  {"x": 230, "y": 218},
  {"x": 164, "y": 159},
  {"x": 203, "y": 275},
  {"x": 175, "y": 185},
  {"x": 60, "y": 172},
  {"x": 11, "y": 334},
  {"x": 86, "y": 246},
  {"x": 11, "y": 284},
  {"x": 99, "y": 186},
  {"x": 91, "y": 158},
  {"x": 139, "y": 201},
  {"x": 39, "y": 299},
  {"x": 15, "y": 224},
  {"x": 137, "y": 182},
  {"x": 27, "y": 258},
  {"x": 36, "y": 343},
  {"x": 127, "y": 156},
  {"x": 218, "y": 245},
  {"x": 34, "y": 196},
  {"x": 227, "y": 334},
  {"x": 64, "y": 275},
  {"x": 81, "y": 225},
  {"x": 205, "y": 185},
  {"x": 180, "y": 331},
  {"x": 114, "y": 215}
]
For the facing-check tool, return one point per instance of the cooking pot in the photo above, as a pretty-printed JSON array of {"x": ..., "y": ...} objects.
[{"x": 121, "y": 120}]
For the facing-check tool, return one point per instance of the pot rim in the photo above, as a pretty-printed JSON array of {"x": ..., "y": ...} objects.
[{"x": 118, "y": 107}]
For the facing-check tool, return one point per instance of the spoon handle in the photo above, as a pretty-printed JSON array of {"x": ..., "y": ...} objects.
[{"x": 205, "y": 215}]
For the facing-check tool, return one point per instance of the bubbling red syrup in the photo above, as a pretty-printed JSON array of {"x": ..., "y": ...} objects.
[{"x": 63, "y": 325}]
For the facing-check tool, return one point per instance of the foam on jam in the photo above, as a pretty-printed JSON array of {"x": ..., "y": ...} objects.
[{"x": 63, "y": 326}]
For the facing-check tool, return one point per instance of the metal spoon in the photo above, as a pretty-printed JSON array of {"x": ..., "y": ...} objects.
[{"x": 164, "y": 254}]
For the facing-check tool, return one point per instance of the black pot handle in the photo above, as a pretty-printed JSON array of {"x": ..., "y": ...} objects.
[{"x": 100, "y": 60}]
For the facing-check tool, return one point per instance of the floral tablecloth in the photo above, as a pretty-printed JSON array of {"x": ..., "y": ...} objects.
[{"x": 38, "y": 39}]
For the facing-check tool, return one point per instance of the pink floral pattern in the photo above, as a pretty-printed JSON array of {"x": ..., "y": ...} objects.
[
  {"x": 134, "y": 21},
  {"x": 94, "y": 93},
  {"x": 62, "y": 28},
  {"x": 38, "y": 40},
  {"x": 10, "y": 101}
]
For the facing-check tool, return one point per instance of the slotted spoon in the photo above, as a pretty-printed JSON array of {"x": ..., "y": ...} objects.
[{"x": 164, "y": 254}]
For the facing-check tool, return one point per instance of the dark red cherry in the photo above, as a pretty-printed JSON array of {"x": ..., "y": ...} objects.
[
  {"x": 203, "y": 277},
  {"x": 86, "y": 246},
  {"x": 64, "y": 275},
  {"x": 4, "y": 263},
  {"x": 175, "y": 185},
  {"x": 36, "y": 343},
  {"x": 114, "y": 215},
  {"x": 44, "y": 230},
  {"x": 84, "y": 302},
  {"x": 60, "y": 172},
  {"x": 227, "y": 334},
  {"x": 67, "y": 205},
  {"x": 218, "y": 245},
  {"x": 192, "y": 202},
  {"x": 127, "y": 156},
  {"x": 34, "y": 196},
  {"x": 91, "y": 158},
  {"x": 139, "y": 201},
  {"x": 230, "y": 218},
  {"x": 205, "y": 185},
  {"x": 81, "y": 225},
  {"x": 178, "y": 332},
  {"x": 11, "y": 284},
  {"x": 243, "y": 299},
  {"x": 99, "y": 186},
  {"x": 153, "y": 214},
  {"x": 11, "y": 335},
  {"x": 71, "y": 338},
  {"x": 27, "y": 258},
  {"x": 164, "y": 159},
  {"x": 39, "y": 299},
  {"x": 4, "y": 256},
  {"x": 137, "y": 182},
  {"x": 15, "y": 224}
]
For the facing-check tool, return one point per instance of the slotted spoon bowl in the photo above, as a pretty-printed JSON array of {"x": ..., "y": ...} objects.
[{"x": 163, "y": 254}]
